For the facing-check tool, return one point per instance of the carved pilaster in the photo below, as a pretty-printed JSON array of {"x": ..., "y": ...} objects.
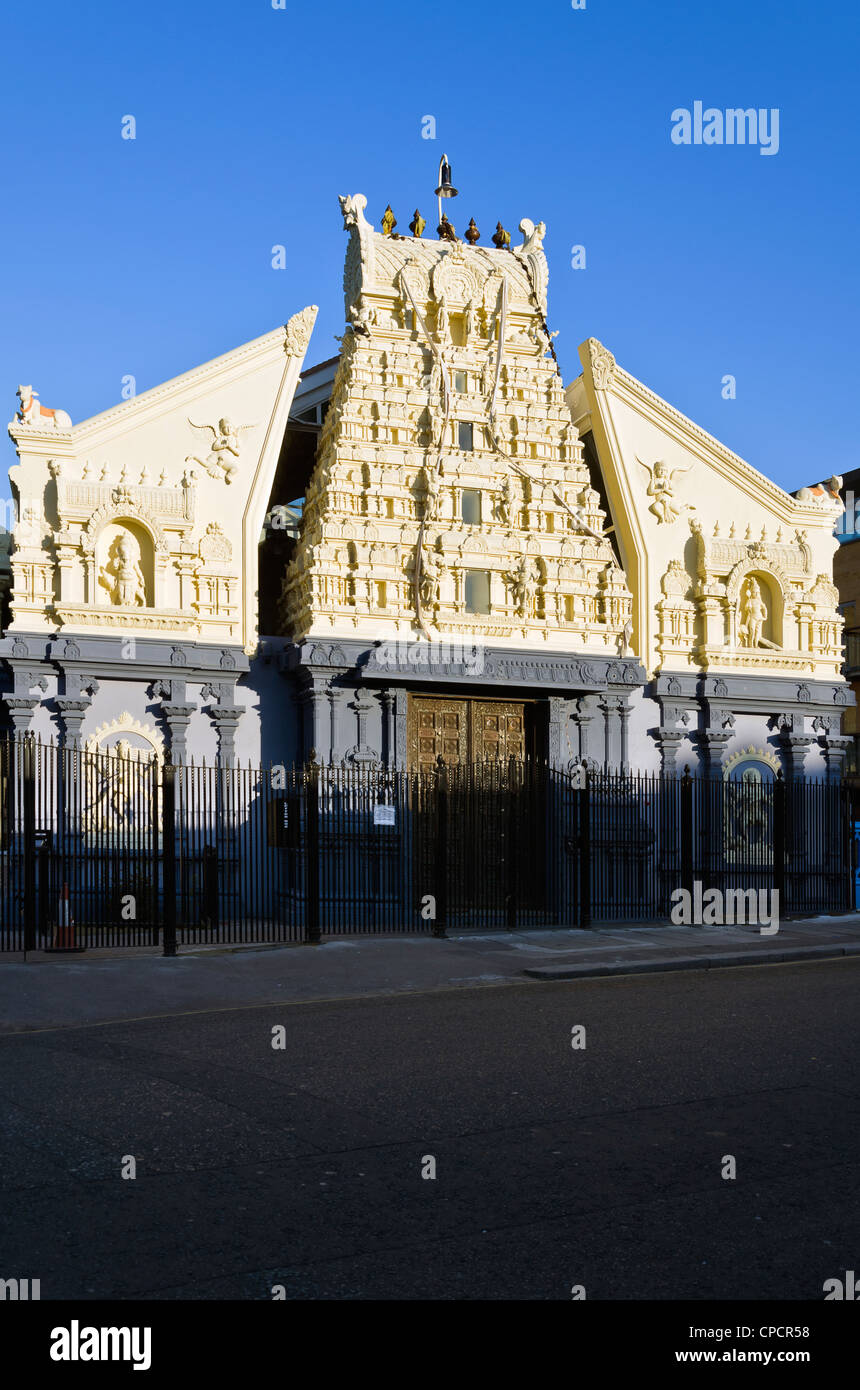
[
  {"x": 612, "y": 706},
  {"x": 362, "y": 752},
  {"x": 335, "y": 754},
  {"x": 584, "y": 717},
  {"x": 713, "y": 744},
  {"x": 388, "y": 728},
  {"x": 669, "y": 741},
  {"x": 312, "y": 699},
  {"x": 558, "y": 751},
  {"x": 21, "y": 709},
  {"x": 401, "y": 709},
  {"x": 178, "y": 717},
  {"x": 21, "y": 703},
  {"x": 226, "y": 720},
  {"x": 72, "y": 712},
  {"x": 177, "y": 710},
  {"x": 795, "y": 747},
  {"x": 624, "y": 717},
  {"x": 835, "y": 754},
  {"x": 77, "y": 697}
]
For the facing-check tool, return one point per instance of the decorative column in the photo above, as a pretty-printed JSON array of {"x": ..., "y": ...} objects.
[
  {"x": 21, "y": 703},
  {"x": 21, "y": 709},
  {"x": 73, "y": 704},
  {"x": 795, "y": 748},
  {"x": 668, "y": 742},
  {"x": 611, "y": 706},
  {"x": 362, "y": 752},
  {"x": 334, "y": 696},
  {"x": 559, "y": 752},
  {"x": 624, "y": 714},
  {"x": 312, "y": 693},
  {"x": 72, "y": 713},
  {"x": 586, "y": 713},
  {"x": 713, "y": 744},
  {"x": 388, "y": 728},
  {"x": 177, "y": 711},
  {"x": 178, "y": 717},
  {"x": 835, "y": 754},
  {"x": 401, "y": 708},
  {"x": 226, "y": 720}
]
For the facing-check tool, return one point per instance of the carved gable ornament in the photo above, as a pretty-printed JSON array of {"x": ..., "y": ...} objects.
[
  {"x": 214, "y": 545},
  {"x": 755, "y": 604}
]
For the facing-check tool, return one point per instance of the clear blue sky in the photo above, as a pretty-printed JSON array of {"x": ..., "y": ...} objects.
[{"x": 150, "y": 256}]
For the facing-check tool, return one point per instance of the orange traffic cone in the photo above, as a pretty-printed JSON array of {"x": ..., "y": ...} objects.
[{"x": 64, "y": 931}]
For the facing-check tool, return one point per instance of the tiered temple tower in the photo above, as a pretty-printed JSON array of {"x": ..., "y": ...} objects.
[{"x": 450, "y": 498}]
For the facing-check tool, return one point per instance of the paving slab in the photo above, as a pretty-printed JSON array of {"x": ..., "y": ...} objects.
[{"x": 50, "y": 991}]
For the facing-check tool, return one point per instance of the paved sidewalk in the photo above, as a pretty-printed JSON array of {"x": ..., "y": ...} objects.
[{"x": 50, "y": 991}]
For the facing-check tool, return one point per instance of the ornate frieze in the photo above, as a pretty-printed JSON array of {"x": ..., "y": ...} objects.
[{"x": 753, "y": 604}]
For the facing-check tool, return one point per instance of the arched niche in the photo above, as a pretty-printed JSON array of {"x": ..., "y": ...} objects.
[
  {"x": 748, "y": 588},
  {"x": 125, "y": 565}
]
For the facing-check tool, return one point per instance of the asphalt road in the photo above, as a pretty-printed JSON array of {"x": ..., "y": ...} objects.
[{"x": 555, "y": 1166}]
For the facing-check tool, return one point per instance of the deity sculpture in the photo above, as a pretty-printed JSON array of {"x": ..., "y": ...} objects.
[
  {"x": 522, "y": 581},
  {"x": 661, "y": 488},
  {"x": 753, "y": 615},
  {"x": 505, "y": 502},
  {"x": 442, "y": 325},
  {"x": 224, "y": 448},
  {"x": 431, "y": 575},
  {"x": 430, "y": 487},
  {"x": 128, "y": 589}
]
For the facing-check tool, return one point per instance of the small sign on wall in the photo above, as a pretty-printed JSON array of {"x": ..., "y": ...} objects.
[
  {"x": 284, "y": 818},
  {"x": 383, "y": 815}
]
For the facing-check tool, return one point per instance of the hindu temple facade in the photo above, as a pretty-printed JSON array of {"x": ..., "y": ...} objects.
[{"x": 428, "y": 546}]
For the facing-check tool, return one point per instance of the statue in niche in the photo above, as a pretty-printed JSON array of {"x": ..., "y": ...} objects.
[
  {"x": 661, "y": 487},
  {"x": 431, "y": 577},
  {"x": 442, "y": 323},
  {"x": 469, "y": 320},
  {"x": 224, "y": 448},
  {"x": 523, "y": 581},
  {"x": 430, "y": 487},
  {"x": 506, "y": 500},
  {"x": 123, "y": 576},
  {"x": 753, "y": 616}
]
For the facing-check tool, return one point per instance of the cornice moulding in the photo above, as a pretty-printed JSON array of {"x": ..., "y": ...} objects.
[
  {"x": 684, "y": 430},
  {"x": 233, "y": 365}
]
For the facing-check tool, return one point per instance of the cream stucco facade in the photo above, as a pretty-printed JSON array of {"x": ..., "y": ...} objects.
[{"x": 586, "y": 560}]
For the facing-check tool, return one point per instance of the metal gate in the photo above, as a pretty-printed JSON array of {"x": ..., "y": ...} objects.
[{"x": 119, "y": 849}]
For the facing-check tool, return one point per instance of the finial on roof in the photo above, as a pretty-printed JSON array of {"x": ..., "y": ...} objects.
[
  {"x": 446, "y": 230},
  {"x": 501, "y": 238},
  {"x": 389, "y": 221},
  {"x": 417, "y": 225},
  {"x": 471, "y": 233}
]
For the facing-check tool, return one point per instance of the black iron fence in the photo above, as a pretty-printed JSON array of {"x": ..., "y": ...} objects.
[{"x": 117, "y": 849}]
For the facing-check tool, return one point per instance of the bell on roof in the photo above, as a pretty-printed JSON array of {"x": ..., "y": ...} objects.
[{"x": 446, "y": 188}]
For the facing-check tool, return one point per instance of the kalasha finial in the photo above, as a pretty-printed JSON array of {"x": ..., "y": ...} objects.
[
  {"x": 417, "y": 225},
  {"x": 389, "y": 221},
  {"x": 501, "y": 238},
  {"x": 471, "y": 233},
  {"x": 446, "y": 230}
]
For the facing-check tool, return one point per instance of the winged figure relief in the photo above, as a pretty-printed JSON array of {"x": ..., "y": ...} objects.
[{"x": 223, "y": 449}]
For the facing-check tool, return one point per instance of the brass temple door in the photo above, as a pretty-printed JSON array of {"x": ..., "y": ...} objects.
[{"x": 465, "y": 731}]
